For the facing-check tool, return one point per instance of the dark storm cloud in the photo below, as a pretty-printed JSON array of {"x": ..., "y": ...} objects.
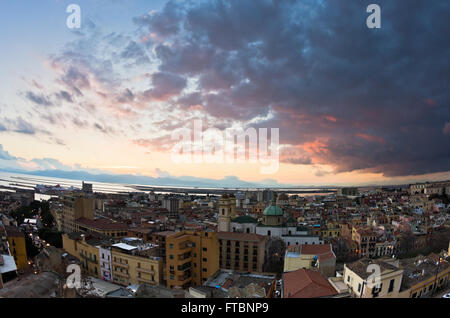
[
  {"x": 376, "y": 99},
  {"x": 166, "y": 85}
]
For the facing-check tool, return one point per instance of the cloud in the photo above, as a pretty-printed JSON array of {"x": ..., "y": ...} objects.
[
  {"x": 364, "y": 95},
  {"x": 166, "y": 85},
  {"x": 19, "y": 125},
  {"x": 38, "y": 99},
  {"x": 4, "y": 155},
  {"x": 342, "y": 95}
]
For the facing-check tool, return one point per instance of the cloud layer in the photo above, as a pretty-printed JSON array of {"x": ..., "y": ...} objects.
[{"x": 343, "y": 95}]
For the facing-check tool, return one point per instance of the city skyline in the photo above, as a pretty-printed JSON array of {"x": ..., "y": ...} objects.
[{"x": 354, "y": 106}]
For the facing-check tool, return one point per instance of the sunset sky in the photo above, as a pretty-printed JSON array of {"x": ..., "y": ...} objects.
[{"x": 353, "y": 105}]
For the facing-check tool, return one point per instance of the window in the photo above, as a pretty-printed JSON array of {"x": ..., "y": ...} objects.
[
  {"x": 348, "y": 278},
  {"x": 391, "y": 286},
  {"x": 359, "y": 287},
  {"x": 171, "y": 256},
  {"x": 171, "y": 246}
]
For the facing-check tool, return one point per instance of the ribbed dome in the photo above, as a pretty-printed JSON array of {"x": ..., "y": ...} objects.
[{"x": 273, "y": 210}]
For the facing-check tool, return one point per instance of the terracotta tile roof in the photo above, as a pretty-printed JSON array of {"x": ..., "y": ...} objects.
[
  {"x": 322, "y": 251},
  {"x": 304, "y": 283},
  {"x": 359, "y": 267},
  {"x": 102, "y": 224}
]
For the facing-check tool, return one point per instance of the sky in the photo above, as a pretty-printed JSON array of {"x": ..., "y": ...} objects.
[{"x": 353, "y": 105}]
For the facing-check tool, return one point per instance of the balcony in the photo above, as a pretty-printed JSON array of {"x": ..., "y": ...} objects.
[
  {"x": 118, "y": 273},
  {"x": 142, "y": 280},
  {"x": 146, "y": 270},
  {"x": 88, "y": 258},
  {"x": 185, "y": 256},
  {"x": 184, "y": 278},
  {"x": 115, "y": 263}
]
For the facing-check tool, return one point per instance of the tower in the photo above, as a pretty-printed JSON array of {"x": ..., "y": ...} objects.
[{"x": 226, "y": 211}]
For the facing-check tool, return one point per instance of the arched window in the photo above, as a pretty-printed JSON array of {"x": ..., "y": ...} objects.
[
  {"x": 223, "y": 211},
  {"x": 268, "y": 233}
]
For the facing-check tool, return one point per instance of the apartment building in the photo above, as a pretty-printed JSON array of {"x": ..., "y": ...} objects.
[
  {"x": 358, "y": 276},
  {"x": 102, "y": 227},
  {"x": 424, "y": 275},
  {"x": 87, "y": 249},
  {"x": 366, "y": 240},
  {"x": 191, "y": 258},
  {"x": 242, "y": 251},
  {"x": 17, "y": 247},
  {"x": 105, "y": 262},
  {"x": 74, "y": 207},
  {"x": 136, "y": 264},
  {"x": 317, "y": 257}
]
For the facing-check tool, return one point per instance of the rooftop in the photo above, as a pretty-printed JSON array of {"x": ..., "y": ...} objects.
[
  {"x": 359, "y": 267},
  {"x": 102, "y": 224},
  {"x": 304, "y": 283}
]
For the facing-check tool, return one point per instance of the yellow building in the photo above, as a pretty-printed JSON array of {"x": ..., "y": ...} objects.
[
  {"x": 332, "y": 230},
  {"x": 86, "y": 249},
  {"x": 136, "y": 265},
  {"x": 74, "y": 207},
  {"x": 358, "y": 277},
  {"x": 101, "y": 226},
  {"x": 17, "y": 247},
  {"x": 423, "y": 275},
  {"x": 191, "y": 258},
  {"x": 319, "y": 257}
]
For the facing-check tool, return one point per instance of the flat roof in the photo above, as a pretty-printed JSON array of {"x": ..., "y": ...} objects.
[
  {"x": 124, "y": 246},
  {"x": 9, "y": 264}
]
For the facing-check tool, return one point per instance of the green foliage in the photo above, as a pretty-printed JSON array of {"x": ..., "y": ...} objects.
[
  {"x": 52, "y": 237},
  {"x": 32, "y": 250}
]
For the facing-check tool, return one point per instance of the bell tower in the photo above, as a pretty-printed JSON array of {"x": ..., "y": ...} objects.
[{"x": 225, "y": 213}]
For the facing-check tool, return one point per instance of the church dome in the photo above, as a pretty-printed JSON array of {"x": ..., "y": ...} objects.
[{"x": 273, "y": 210}]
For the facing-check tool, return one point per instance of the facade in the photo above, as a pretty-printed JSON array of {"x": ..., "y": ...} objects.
[
  {"x": 314, "y": 257},
  {"x": 366, "y": 240},
  {"x": 357, "y": 276},
  {"x": 105, "y": 263},
  {"x": 243, "y": 224},
  {"x": 16, "y": 241},
  {"x": 273, "y": 225},
  {"x": 172, "y": 205},
  {"x": 227, "y": 211},
  {"x": 86, "y": 249},
  {"x": 242, "y": 251},
  {"x": 191, "y": 258},
  {"x": 74, "y": 207},
  {"x": 136, "y": 264}
]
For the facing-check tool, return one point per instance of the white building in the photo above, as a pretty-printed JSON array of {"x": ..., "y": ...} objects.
[{"x": 105, "y": 263}]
